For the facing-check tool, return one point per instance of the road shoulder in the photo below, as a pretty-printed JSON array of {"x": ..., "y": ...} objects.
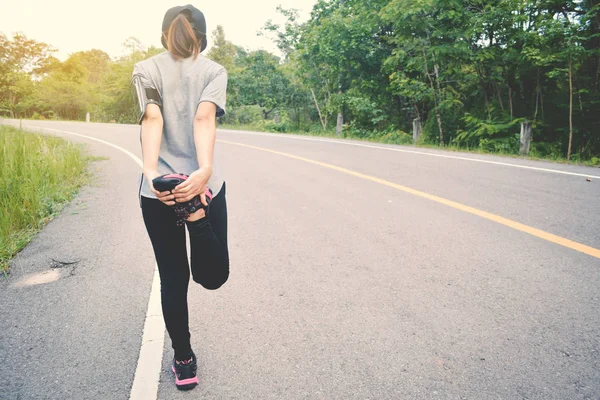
[{"x": 79, "y": 336}]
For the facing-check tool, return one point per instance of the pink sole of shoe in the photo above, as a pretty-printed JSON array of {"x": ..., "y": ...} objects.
[{"x": 185, "y": 384}]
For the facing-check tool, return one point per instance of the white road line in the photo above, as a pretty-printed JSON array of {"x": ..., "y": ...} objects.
[
  {"x": 423, "y": 153},
  {"x": 147, "y": 373}
]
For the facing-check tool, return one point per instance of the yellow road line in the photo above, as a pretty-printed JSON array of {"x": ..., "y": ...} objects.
[{"x": 591, "y": 251}]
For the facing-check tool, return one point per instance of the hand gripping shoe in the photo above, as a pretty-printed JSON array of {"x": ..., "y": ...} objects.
[{"x": 166, "y": 183}]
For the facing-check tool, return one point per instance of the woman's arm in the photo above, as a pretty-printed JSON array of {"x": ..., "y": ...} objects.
[
  {"x": 210, "y": 105},
  {"x": 152, "y": 126},
  {"x": 205, "y": 131}
]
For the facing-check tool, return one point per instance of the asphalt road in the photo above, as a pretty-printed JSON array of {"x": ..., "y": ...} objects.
[{"x": 341, "y": 287}]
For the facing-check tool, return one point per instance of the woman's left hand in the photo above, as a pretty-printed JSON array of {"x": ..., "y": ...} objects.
[{"x": 194, "y": 185}]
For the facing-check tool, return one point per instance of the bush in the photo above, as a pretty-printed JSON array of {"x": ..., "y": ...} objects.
[
  {"x": 353, "y": 130},
  {"x": 389, "y": 136},
  {"x": 396, "y": 137},
  {"x": 451, "y": 124},
  {"x": 365, "y": 111},
  {"x": 546, "y": 150},
  {"x": 50, "y": 114},
  {"x": 281, "y": 126},
  {"x": 489, "y": 136},
  {"x": 244, "y": 115},
  {"x": 509, "y": 145},
  {"x": 284, "y": 125}
]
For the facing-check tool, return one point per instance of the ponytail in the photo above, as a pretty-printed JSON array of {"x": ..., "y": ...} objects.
[{"x": 181, "y": 39}]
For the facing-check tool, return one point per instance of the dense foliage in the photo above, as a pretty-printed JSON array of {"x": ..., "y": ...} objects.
[{"x": 470, "y": 70}]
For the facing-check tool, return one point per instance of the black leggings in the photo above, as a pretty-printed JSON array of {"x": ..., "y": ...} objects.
[{"x": 209, "y": 263}]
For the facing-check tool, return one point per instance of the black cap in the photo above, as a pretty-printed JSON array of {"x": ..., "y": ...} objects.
[{"x": 193, "y": 15}]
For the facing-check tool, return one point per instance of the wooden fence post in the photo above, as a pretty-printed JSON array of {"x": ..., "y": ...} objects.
[
  {"x": 340, "y": 124},
  {"x": 525, "y": 137},
  {"x": 416, "y": 129}
]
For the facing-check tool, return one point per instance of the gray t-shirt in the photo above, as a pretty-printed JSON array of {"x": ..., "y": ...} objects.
[{"x": 182, "y": 86}]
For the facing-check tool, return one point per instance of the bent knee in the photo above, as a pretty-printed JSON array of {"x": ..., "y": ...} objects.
[{"x": 212, "y": 282}]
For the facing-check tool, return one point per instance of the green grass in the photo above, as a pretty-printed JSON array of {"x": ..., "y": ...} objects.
[{"x": 39, "y": 175}]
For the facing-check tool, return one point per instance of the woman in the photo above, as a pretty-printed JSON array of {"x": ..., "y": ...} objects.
[{"x": 180, "y": 94}]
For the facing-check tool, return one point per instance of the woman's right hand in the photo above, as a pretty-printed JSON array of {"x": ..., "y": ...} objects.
[{"x": 166, "y": 197}]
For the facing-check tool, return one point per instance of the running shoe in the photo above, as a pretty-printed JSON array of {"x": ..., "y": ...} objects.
[{"x": 185, "y": 373}]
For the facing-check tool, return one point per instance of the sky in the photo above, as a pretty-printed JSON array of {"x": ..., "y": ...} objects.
[{"x": 76, "y": 25}]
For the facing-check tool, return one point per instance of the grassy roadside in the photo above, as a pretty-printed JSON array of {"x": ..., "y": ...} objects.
[
  {"x": 405, "y": 140},
  {"x": 39, "y": 175}
]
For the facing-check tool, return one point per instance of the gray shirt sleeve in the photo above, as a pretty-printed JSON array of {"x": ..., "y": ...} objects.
[
  {"x": 216, "y": 92},
  {"x": 145, "y": 92}
]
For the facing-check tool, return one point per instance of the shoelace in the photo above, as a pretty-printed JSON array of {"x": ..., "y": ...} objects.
[
  {"x": 183, "y": 212},
  {"x": 184, "y": 362}
]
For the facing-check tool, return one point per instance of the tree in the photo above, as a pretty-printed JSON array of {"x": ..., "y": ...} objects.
[
  {"x": 338, "y": 49},
  {"x": 96, "y": 62},
  {"x": 222, "y": 51},
  {"x": 116, "y": 100},
  {"x": 428, "y": 51},
  {"x": 21, "y": 60},
  {"x": 262, "y": 82},
  {"x": 470, "y": 70},
  {"x": 286, "y": 37}
]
